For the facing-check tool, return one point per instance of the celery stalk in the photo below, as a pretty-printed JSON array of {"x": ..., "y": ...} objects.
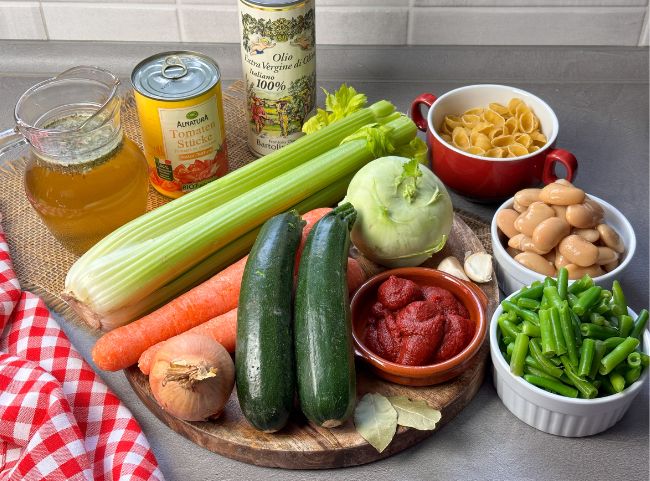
[
  {"x": 194, "y": 204},
  {"x": 131, "y": 273}
]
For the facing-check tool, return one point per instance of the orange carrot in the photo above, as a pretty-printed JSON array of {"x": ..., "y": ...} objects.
[
  {"x": 310, "y": 219},
  {"x": 123, "y": 346},
  {"x": 222, "y": 329},
  {"x": 356, "y": 275}
]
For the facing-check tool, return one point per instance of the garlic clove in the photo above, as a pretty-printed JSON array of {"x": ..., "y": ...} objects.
[
  {"x": 478, "y": 267},
  {"x": 452, "y": 266}
]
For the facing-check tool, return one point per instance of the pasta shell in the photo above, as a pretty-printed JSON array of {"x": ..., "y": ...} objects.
[
  {"x": 493, "y": 117},
  {"x": 478, "y": 139},
  {"x": 532, "y": 149},
  {"x": 453, "y": 121},
  {"x": 496, "y": 152},
  {"x": 538, "y": 138},
  {"x": 482, "y": 127},
  {"x": 510, "y": 155},
  {"x": 511, "y": 126},
  {"x": 460, "y": 138},
  {"x": 470, "y": 120},
  {"x": 521, "y": 109},
  {"x": 526, "y": 122},
  {"x": 517, "y": 150},
  {"x": 524, "y": 139},
  {"x": 477, "y": 111},
  {"x": 494, "y": 132},
  {"x": 503, "y": 140},
  {"x": 476, "y": 150},
  {"x": 512, "y": 105},
  {"x": 446, "y": 138},
  {"x": 499, "y": 109}
]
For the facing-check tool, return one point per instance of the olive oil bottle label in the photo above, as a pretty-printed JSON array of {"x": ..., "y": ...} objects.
[{"x": 279, "y": 63}]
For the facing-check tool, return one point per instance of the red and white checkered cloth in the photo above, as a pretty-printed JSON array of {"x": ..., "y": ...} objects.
[{"x": 58, "y": 420}]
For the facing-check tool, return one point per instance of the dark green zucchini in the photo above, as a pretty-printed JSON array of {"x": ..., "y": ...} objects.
[
  {"x": 322, "y": 326},
  {"x": 264, "y": 361}
]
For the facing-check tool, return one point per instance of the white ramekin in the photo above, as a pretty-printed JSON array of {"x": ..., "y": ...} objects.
[
  {"x": 552, "y": 413},
  {"x": 512, "y": 276}
]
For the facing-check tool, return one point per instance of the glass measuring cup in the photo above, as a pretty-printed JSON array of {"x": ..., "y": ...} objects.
[{"x": 83, "y": 176}]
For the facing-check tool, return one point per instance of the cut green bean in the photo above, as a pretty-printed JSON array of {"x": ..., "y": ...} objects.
[
  {"x": 597, "y": 332},
  {"x": 587, "y": 299},
  {"x": 535, "y": 291},
  {"x": 544, "y": 364},
  {"x": 639, "y": 324},
  {"x": 607, "y": 385},
  {"x": 575, "y": 320},
  {"x": 634, "y": 359},
  {"x": 512, "y": 317},
  {"x": 519, "y": 353},
  {"x": 645, "y": 359},
  {"x": 599, "y": 353},
  {"x": 586, "y": 357},
  {"x": 581, "y": 284},
  {"x": 617, "y": 355},
  {"x": 507, "y": 340},
  {"x": 549, "y": 282},
  {"x": 552, "y": 296},
  {"x": 530, "y": 329},
  {"x": 508, "y": 328},
  {"x": 632, "y": 374},
  {"x": 625, "y": 325},
  {"x": 572, "y": 299},
  {"x": 530, "y": 360},
  {"x": 597, "y": 319},
  {"x": 524, "y": 314},
  {"x": 546, "y": 333},
  {"x": 537, "y": 372},
  {"x": 551, "y": 385},
  {"x": 587, "y": 390},
  {"x": 568, "y": 333},
  {"x": 601, "y": 308},
  {"x": 612, "y": 342},
  {"x": 619, "y": 304},
  {"x": 526, "y": 303},
  {"x": 605, "y": 295},
  {"x": 563, "y": 282},
  {"x": 618, "y": 381},
  {"x": 558, "y": 336},
  {"x": 509, "y": 348}
]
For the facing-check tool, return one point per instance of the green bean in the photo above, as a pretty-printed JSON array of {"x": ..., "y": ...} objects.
[
  {"x": 645, "y": 359},
  {"x": 512, "y": 317},
  {"x": 535, "y": 291},
  {"x": 617, "y": 355},
  {"x": 537, "y": 372},
  {"x": 639, "y": 324},
  {"x": 619, "y": 304},
  {"x": 586, "y": 357},
  {"x": 607, "y": 385},
  {"x": 507, "y": 340},
  {"x": 587, "y": 390},
  {"x": 572, "y": 298},
  {"x": 549, "y": 282},
  {"x": 508, "y": 328},
  {"x": 550, "y": 385},
  {"x": 612, "y": 342},
  {"x": 605, "y": 295},
  {"x": 546, "y": 333},
  {"x": 601, "y": 308},
  {"x": 544, "y": 363},
  {"x": 587, "y": 299},
  {"x": 597, "y": 319},
  {"x": 597, "y": 332},
  {"x": 525, "y": 314},
  {"x": 581, "y": 284},
  {"x": 509, "y": 348},
  {"x": 560, "y": 344},
  {"x": 544, "y": 304},
  {"x": 598, "y": 355},
  {"x": 519, "y": 353},
  {"x": 556, "y": 361},
  {"x": 530, "y": 361},
  {"x": 568, "y": 333},
  {"x": 632, "y": 374},
  {"x": 634, "y": 359},
  {"x": 625, "y": 325},
  {"x": 528, "y": 303},
  {"x": 553, "y": 297},
  {"x": 530, "y": 329},
  {"x": 618, "y": 381},
  {"x": 575, "y": 320},
  {"x": 562, "y": 282}
]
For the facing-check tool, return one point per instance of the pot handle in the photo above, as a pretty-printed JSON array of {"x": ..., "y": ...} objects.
[
  {"x": 566, "y": 158},
  {"x": 416, "y": 113}
]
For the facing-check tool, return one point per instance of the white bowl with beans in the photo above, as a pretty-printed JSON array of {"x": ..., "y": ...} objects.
[{"x": 512, "y": 275}]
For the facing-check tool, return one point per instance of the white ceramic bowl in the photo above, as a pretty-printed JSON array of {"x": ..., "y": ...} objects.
[
  {"x": 512, "y": 276},
  {"x": 555, "y": 414}
]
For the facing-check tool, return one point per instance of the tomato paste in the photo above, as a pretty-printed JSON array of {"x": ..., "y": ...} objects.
[{"x": 417, "y": 325}]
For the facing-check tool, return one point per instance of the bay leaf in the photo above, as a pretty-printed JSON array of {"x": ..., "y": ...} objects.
[
  {"x": 376, "y": 420},
  {"x": 415, "y": 414}
]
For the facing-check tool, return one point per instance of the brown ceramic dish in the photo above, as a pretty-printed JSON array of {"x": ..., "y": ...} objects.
[{"x": 471, "y": 297}]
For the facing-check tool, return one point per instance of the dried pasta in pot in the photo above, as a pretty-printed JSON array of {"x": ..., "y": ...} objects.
[{"x": 497, "y": 131}]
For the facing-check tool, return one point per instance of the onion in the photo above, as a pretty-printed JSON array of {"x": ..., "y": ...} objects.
[{"x": 192, "y": 377}]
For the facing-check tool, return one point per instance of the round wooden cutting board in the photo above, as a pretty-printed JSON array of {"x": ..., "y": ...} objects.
[{"x": 302, "y": 445}]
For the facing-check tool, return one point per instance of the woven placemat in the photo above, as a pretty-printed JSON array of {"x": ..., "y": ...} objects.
[{"x": 41, "y": 263}]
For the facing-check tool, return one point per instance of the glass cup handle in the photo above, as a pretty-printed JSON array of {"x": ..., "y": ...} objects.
[{"x": 10, "y": 139}]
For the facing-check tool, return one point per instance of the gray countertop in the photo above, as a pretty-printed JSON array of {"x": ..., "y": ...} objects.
[{"x": 600, "y": 96}]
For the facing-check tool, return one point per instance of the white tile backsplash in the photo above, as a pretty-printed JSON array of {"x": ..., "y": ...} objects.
[
  {"x": 340, "y": 22},
  {"x": 209, "y": 23},
  {"x": 111, "y": 21},
  {"x": 644, "y": 40},
  {"x": 526, "y": 26},
  {"x": 21, "y": 20}
]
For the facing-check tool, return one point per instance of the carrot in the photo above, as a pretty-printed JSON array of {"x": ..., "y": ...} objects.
[
  {"x": 310, "y": 219},
  {"x": 222, "y": 329},
  {"x": 123, "y": 346},
  {"x": 356, "y": 275}
]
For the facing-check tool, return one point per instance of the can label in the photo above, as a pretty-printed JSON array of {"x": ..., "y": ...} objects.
[{"x": 279, "y": 63}]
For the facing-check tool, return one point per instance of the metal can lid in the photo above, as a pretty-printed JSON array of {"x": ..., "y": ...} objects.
[{"x": 175, "y": 75}]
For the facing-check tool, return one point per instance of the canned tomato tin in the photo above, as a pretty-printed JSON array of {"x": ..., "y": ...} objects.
[
  {"x": 279, "y": 63},
  {"x": 178, "y": 96}
]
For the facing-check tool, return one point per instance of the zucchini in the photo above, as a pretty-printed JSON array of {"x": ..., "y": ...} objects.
[
  {"x": 322, "y": 324},
  {"x": 264, "y": 362}
]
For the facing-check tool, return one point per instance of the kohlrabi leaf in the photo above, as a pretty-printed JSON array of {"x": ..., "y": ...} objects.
[
  {"x": 415, "y": 414},
  {"x": 338, "y": 105},
  {"x": 376, "y": 420},
  {"x": 408, "y": 181}
]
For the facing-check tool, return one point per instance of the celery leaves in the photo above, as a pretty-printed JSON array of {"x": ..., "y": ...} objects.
[{"x": 338, "y": 105}]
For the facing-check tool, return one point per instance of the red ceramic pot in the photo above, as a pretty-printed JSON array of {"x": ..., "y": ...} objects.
[{"x": 485, "y": 178}]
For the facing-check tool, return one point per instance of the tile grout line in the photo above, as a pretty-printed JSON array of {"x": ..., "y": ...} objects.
[{"x": 47, "y": 31}]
